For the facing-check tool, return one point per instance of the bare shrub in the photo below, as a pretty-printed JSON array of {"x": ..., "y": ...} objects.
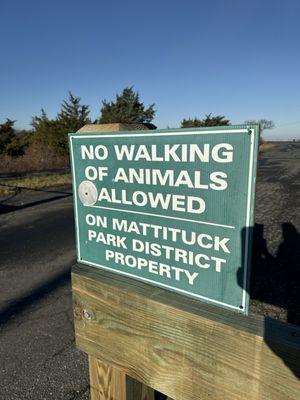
[{"x": 37, "y": 157}]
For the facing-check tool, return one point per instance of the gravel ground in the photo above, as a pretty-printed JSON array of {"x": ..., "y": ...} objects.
[{"x": 275, "y": 283}]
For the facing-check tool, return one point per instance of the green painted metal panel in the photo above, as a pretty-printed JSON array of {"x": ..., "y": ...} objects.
[{"x": 173, "y": 208}]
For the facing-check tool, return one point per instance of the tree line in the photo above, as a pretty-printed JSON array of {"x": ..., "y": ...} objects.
[{"x": 126, "y": 108}]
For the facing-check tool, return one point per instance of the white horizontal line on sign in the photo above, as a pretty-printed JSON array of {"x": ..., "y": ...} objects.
[
  {"x": 93, "y": 136},
  {"x": 165, "y": 216}
]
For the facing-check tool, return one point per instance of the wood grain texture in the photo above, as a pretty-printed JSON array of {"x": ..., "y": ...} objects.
[
  {"x": 182, "y": 347},
  {"x": 93, "y": 128},
  {"x": 109, "y": 383},
  {"x": 106, "y": 382}
]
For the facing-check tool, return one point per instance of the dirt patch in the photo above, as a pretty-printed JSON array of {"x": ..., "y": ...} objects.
[
  {"x": 13, "y": 186},
  {"x": 266, "y": 146}
]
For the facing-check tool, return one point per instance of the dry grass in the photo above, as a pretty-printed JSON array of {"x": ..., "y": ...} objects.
[
  {"x": 266, "y": 146},
  {"x": 11, "y": 186},
  {"x": 36, "y": 158}
]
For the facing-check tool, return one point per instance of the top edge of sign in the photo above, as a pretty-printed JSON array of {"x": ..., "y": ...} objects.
[{"x": 167, "y": 132}]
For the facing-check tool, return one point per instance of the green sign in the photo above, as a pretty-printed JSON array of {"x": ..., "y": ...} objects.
[{"x": 173, "y": 208}]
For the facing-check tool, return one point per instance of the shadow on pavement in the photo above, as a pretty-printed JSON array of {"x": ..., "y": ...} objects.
[
  {"x": 19, "y": 188},
  {"x": 19, "y": 305},
  {"x": 7, "y": 208},
  {"x": 276, "y": 280}
]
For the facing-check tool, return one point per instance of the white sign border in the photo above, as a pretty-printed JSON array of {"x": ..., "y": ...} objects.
[{"x": 249, "y": 131}]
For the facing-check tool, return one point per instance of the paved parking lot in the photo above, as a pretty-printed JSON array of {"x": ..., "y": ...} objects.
[{"x": 38, "y": 355}]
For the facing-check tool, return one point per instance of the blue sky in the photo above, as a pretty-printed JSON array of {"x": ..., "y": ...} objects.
[{"x": 233, "y": 57}]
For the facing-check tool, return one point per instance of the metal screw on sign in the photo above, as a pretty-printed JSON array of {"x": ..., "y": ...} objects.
[{"x": 87, "y": 315}]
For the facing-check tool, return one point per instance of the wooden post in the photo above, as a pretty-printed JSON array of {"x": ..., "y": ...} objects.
[{"x": 107, "y": 382}]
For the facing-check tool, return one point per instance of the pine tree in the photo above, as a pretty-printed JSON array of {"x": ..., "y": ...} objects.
[
  {"x": 209, "y": 120},
  {"x": 73, "y": 115},
  {"x": 45, "y": 130},
  {"x": 7, "y": 133},
  {"x": 191, "y": 123},
  {"x": 54, "y": 132},
  {"x": 41, "y": 127},
  {"x": 13, "y": 142},
  {"x": 127, "y": 108}
]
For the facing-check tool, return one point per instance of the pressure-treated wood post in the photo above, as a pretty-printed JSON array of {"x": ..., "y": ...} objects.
[{"x": 106, "y": 381}]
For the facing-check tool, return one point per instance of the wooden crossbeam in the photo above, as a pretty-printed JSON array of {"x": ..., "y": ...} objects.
[{"x": 181, "y": 347}]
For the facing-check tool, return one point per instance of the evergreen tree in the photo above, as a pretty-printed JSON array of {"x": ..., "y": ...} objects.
[
  {"x": 50, "y": 133},
  {"x": 7, "y": 133},
  {"x": 127, "y": 108},
  {"x": 209, "y": 120},
  {"x": 191, "y": 123},
  {"x": 41, "y": 127},
  {"x": 12, "y": 141},
  {"x": 37, "y": 122},
  {"x": 54, "y": 132},
  {"x": 73, "y": 115}
]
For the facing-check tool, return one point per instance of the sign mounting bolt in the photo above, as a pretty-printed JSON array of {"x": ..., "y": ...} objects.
[{"x": 87, "y": 315}]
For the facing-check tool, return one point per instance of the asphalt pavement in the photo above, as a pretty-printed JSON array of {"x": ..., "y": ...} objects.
[{"x": 38, "y": 357}]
